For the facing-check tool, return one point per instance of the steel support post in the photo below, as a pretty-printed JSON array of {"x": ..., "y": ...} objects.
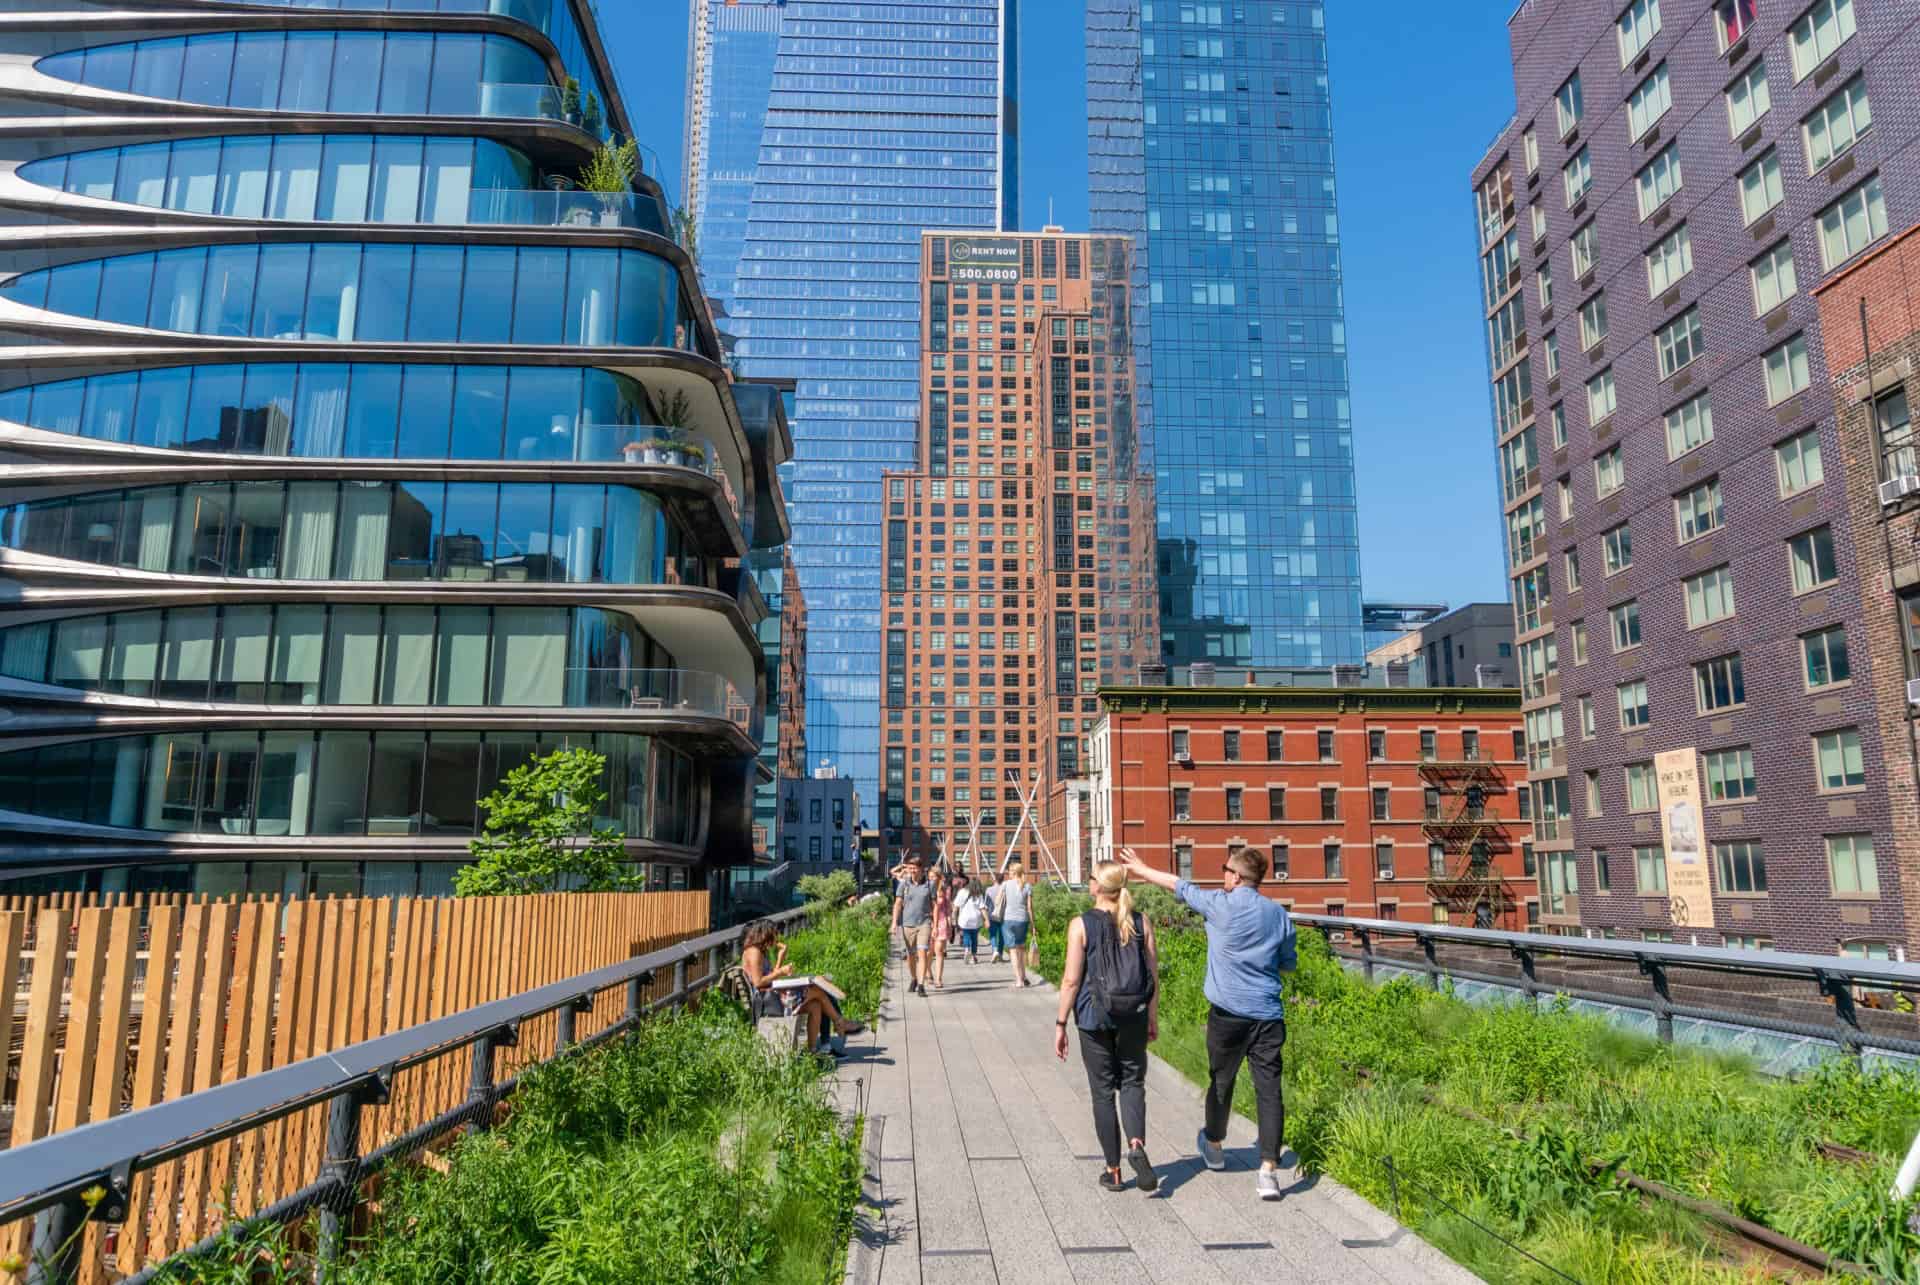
[
  {"x": 1656, "y": 973},
  {"x": 54, "y": 1258},
  {"x": 1366, "y": 952},
  {"x": 480, "y": 1084},
  {"x": 565, "y": 1018},
  {"x": 1846, "y": 1027},
  {"x": 342, "y": 1166},
  {"x": 1529, "y": 979}
]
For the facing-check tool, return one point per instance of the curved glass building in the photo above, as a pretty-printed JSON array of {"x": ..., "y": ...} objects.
[{"x": 349, "y": 457}]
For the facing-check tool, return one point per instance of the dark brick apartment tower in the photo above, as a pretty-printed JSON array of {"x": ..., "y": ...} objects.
[{"x": 1689, "y": 579}]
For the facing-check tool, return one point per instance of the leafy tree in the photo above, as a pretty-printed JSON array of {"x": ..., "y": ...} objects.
[
  {"x": 832, "y": 889},
  {"x": 540, "y": 834}
]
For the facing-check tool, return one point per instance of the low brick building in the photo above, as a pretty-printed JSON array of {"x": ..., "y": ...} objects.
[
  {"x": 1870, "y": 325},
  {"x": 1395, "y": 803}
]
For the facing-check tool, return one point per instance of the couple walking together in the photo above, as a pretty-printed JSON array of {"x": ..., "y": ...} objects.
[{"x": 1110, "y": 993}]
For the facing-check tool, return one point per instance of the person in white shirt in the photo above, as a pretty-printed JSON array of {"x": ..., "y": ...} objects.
[{"x": 969, "y": 913}]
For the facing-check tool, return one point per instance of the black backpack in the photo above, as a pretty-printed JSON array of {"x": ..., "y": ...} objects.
[{"x": 1121, "y": 984}]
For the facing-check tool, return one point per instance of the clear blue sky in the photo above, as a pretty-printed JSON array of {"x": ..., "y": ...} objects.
[{"x": 1429, "y": 516}]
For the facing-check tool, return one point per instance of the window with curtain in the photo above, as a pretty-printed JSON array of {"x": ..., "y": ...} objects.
[
  {"x": 529, "y": 656},
  {"x": 460, "y": 668},
  {"x": 406, "y": 657}
]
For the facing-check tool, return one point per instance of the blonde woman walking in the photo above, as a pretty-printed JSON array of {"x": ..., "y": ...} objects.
[
  {"x": 1016, "y": 920},
  {"x": 1111, "y": 993}
]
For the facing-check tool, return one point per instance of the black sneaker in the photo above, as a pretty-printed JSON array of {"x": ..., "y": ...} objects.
[
  {"x": 1110, "y": 1183},
  {"x": 1143, "y": 1169}
]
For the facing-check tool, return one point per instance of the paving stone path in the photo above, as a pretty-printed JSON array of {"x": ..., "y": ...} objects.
[{"x": 983, "y": 1166}]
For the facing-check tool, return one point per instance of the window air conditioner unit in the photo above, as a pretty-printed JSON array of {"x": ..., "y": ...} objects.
[
  {"x": 1182, "y": 816},
  {"x": 1898, "y": 488},
  {"x": 1280, "y": 876},
  {"x": 1913, "y": 691},
  {"x": 1184, "y": 760}
]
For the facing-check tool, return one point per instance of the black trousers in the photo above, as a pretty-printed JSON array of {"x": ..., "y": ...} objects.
[
  {"x": 1231, "y": 1039},
  {"x": 1116, "y": 1063}
]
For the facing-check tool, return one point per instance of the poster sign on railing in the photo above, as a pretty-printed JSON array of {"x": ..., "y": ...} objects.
[{"x": 1689, "y": 886}]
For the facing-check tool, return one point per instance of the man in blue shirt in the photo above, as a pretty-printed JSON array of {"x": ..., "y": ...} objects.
[{"x": 1249, "y": 944}]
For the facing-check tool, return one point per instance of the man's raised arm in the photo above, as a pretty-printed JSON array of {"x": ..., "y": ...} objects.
[{"x": 1141, "y": 870}]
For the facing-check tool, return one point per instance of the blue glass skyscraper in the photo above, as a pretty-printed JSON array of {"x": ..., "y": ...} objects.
[
  {"x": 730, "y": 51},
  {"x": 1210, "y": 142},
  {"x": 881, "y": 119}
]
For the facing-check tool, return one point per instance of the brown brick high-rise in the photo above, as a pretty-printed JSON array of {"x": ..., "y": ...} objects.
[{"x": 1019, "y": 572}]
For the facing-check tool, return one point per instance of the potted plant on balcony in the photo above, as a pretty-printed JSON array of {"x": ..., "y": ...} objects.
[
  {"x": 570, "y": 100},
  {"x": 590, "y": 118},
  {"x": 609, "y": 175},
  {"x": 666, "y": 450}
]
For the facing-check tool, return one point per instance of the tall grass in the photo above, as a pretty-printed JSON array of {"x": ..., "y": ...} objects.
[
  {"x": 1579, "y": 1092},
  {"x": 688, "y": 1151}
]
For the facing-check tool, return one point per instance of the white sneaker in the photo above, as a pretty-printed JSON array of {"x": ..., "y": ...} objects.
[
  {"x": 1267, "y": 1183},
  {"x": 1210, "y": 1153}
]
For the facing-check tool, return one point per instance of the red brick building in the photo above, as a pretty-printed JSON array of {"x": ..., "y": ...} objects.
[
  {"x": 1391, "y": 803},
  {"x": 1872, "y": 360}
]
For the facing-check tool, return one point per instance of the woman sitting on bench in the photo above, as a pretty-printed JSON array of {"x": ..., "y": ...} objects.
[{"x": 764, "y": 960}]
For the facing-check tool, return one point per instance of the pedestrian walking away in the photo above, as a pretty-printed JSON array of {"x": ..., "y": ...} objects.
[
  {"x": 942, "y": 927},
  {"x": 913, "y": 919},
  {"x": 1110, "y": 991},
  {"x": 1250, "y": 943},
  {"x": 1016, "y": 920},
  {"x": 969, "y": 912}
]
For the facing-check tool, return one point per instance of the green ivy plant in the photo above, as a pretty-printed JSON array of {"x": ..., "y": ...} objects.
[{"x": 540, "y": 834}]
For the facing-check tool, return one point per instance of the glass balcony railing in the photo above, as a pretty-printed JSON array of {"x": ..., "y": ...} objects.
[
  {"x": 529, "y": 101},
  {"x": 689, "y": 691},
  {"x": 654, "y": 444},
  {"x": 531, "y": 208}
]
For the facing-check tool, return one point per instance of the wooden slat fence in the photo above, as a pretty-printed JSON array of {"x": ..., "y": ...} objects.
[{"x": 117, "y": 1006}]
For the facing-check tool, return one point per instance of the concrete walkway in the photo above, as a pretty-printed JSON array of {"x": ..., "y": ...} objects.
[{"x": 983, "y": 1166}]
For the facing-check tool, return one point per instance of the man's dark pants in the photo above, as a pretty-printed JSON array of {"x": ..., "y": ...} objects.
[{"x": 1230, "y": 1039}]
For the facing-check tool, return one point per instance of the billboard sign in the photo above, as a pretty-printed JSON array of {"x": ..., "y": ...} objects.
[
  {"x": 972, "y": 258},
  {"x": 1689, "y": 886}
]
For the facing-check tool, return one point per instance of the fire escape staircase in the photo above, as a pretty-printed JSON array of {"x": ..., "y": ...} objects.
[{"x": 1468, "y": 838}]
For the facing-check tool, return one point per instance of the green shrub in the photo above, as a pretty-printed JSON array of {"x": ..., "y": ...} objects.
[
  {"x": 849, "y": 945},
  {"x": 687, "y": 1152},
  {"x": 828, "y": 889}
]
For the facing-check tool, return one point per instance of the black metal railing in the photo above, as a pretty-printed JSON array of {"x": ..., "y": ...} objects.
[
  {"x": 1856, "y": 1004},
  {"x": 88, "y": 1172}
]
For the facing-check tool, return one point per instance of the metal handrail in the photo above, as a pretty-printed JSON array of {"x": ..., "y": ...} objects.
[
  {"x": 1832, "y": 977},
  {"x": 48, "y": 1177}
]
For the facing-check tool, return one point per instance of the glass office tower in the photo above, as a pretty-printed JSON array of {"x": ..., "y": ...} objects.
[
  {"x": 730, "y": 54},
  {"x": 881, "y": 119},
  {"x": 1210, "y": 143},
  {"x": 344, "y": 464}
]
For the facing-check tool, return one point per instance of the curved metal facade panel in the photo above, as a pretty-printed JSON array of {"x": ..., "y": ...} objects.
[{"x": 289, "y": 592}]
